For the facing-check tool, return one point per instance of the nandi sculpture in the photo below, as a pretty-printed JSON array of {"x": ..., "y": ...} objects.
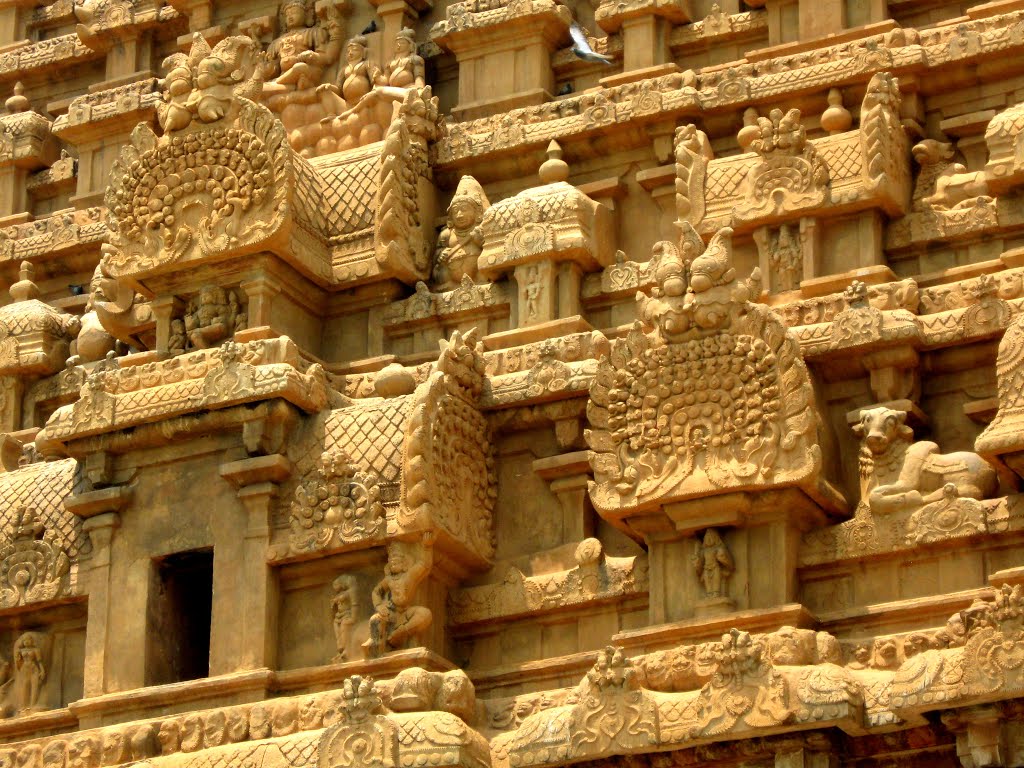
[{"x": 898, "y": 474}]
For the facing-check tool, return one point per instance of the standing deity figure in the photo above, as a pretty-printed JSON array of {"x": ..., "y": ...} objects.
[
  {"x": 294, "y": 68},
  {"x": 344, "y": 605},
  {"x": 462, "y": 240},
  {"x": 397, "y": 623},
  {"x": 713, "y": 564},
  {"x": 29, "y": 672}
]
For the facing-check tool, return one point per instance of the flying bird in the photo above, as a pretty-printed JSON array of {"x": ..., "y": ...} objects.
[
  {"x": 370, "y": 28},
  {"x": 581, "y": 46}
]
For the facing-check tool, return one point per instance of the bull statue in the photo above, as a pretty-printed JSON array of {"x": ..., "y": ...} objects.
[{"x": 898, "y": 474}]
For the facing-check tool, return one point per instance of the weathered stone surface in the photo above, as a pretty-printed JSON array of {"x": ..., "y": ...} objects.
[{"x": 403, "y": 384}]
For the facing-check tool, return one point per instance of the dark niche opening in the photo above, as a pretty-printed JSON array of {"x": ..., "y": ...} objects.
[{"x": 178, "y": 617}]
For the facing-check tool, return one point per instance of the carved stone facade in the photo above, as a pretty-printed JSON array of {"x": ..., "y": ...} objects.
[{"x": 511, "y": 383}]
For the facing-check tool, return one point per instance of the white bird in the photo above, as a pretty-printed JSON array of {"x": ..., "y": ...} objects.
[{"x": 581, "y": 46}]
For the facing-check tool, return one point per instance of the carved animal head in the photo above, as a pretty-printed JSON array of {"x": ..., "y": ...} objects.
[{"x": 880, "y": 427}]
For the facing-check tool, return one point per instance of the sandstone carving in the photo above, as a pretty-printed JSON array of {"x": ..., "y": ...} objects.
[
  {"x": 363, "y": 103},
  {"x": 310, "y": 41},
  {"x": 397, "y": 622},
  {"x": 657, "y": 434},
  {"x": 32, "y": 567},
  {"x": 713, "y": 564},
  {"x": 461, "y": 241},
  {"x": 789, "y": 174},
  {"x": 393, "y": 385},
  {"x": 900, "y": 474}
]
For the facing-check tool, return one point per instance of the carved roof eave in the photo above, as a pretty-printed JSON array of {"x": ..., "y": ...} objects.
[
  {"x": 26, "y": 141},
  {"x": 859, "y": 331},
  {"x": 579, "y": 230},
  {"x": 282, "y": 215},
  {"x": 624, "y": 721},
  {"x": 95, "y": 115},
  {"x": 60, "y": 52},
  {"x": 533, "y": 19},
  {"x": 206, "y": 380},
  {"x": 846, "y": 193},
  {"x": 611, "y": 14},
  {"x": 102, "y": 35},
  {"x": 678, "y": 104}
]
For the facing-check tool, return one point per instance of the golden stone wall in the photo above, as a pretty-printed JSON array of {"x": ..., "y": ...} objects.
[{"x": 511, "y": 383}]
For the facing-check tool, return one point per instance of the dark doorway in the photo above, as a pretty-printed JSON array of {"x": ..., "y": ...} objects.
[{"x": 178, "y": 620}]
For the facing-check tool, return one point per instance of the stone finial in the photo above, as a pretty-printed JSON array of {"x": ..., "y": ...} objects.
[
  {"x": 554, "y": 169},
  {"x": 836, "y": 118},
  {"x": 749, "y": 131},
  {"x": 25, "y": 289},
  {"x": 18, "y": 102}
]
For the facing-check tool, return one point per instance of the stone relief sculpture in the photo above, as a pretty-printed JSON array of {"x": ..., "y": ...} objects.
[
  {"x": 397, "y": 622},
  {"x": 692, "y": 154},
  {"x": 32, "y": 567},
  {"x": 114, "y": 312},
  {"x": 29, "y": 672},
  {"x": 713, "y": 564},
  {"x": 461, "y": 241},
  {"x": 366, "y": 98},
  {"x": 335, "y": 502},
  {"x": 900, "y": 474},
  {"x": 211, "y": 318},
  {"x": 705, "y": 401},
  {"x": 343, "y": 605},
  {"x": 654, "y": 436},
  {"x": 790, "y": 174},
  {"x": 294, "y": 67}
]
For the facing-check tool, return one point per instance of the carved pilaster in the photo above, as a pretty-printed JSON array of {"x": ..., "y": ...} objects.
[{"x": 245, "y": 630}]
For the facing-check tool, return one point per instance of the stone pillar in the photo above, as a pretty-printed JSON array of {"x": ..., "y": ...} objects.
[
  {"x": 245, "y": 605},
  {"x": 260, "y": 293},
  {"x": 11, "y": 390},
  {"x": 100, "y": 510},
  {"x": 396, "y": 15},
  {"x": 567, "y": 475},
  {"x": 164, "y": 310},
  {"x": 12, "y": 13},
  {"x": 645, "y": 43}
]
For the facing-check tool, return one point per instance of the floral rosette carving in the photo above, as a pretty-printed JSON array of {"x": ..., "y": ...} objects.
[
  {"x": 334, "y": 503},
  {"x": 220, "y": 179},
  {"x": 448, "y": 475},
  {"x": 707, "y": 395}
]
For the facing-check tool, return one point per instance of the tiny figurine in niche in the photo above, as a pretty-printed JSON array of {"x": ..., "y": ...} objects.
[
  {"x": 344, "y": 605},
  {"x": 713, "y": 564},
  {"x": 29, "y": 672}
]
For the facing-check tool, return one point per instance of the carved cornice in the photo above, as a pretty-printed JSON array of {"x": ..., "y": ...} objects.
[
  {"x": 726, "y": 89},
  {"x": 210, "y": 379},
  {"x": 93, "y": 115},
  {"x": 57, "y": 52}
]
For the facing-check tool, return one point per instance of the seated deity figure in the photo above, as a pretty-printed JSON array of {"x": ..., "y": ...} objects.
[
  {"x": 294, "y": 68},
  {"x": 406, "y": 69},
  {"x": 365, "y": 98}
]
